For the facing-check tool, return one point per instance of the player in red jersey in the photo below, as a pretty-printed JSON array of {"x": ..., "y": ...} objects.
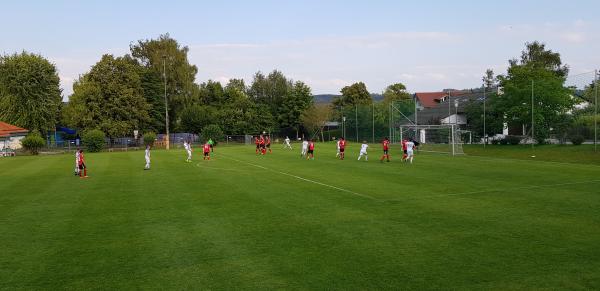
[
  {"x": 82, "y": 165},
  {"x": 386, "y": 147},
  {"x": 311, "y": 150},
  {"x": 261, "y": 142},
  {"x": 206, "y": 150},
  {"x": 257, "y": 142},
  {"x": 342, "y": 147},
  {"x": 404, "y": 155},
  {"x": 268, "y": 143}
]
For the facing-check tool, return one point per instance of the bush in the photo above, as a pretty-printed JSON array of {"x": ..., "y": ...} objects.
[
  {"x": 577, "y": 139},
  {"x": 33, "y": 142},
  {"x": 212, "y": 131},
  {"x": 512, "y": 140},
  {"x": 94, "y": 140},
  {"x": 149, "y": 138}
]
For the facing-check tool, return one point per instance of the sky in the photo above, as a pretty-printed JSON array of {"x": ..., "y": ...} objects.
[{"x": 426, "y": 45}]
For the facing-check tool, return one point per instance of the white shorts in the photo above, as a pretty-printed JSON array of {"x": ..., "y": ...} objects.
[
  {"x": 363, "y": 153},
  {"x": 409, "y": 153}
]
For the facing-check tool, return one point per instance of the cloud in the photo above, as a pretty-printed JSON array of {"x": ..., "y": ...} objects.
[{"x": 574, "y": 37}]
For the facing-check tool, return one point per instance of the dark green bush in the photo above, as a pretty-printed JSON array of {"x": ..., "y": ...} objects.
[
  {"x": 512, "y": 140},
  {"x": 149, "y": 138},
  {"x": 577, "y": 139},
  {"x": 212, "y": 131},
  {"x": 94, "y": 140},
  {"x": 33, "y": 142}
]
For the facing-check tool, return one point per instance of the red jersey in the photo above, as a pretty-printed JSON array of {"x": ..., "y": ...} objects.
[
  {"x": 403, "y": 145},
  {"x": 262, "y": 141},
  {"x": 386, "y": 144},
  {"x": 268, "y": 140},
  {"x": 206, "y": 148},
  {"x": 256, "y": 141},
  {"x": 81, "y": 159},
  {"x": 311, "y": 146},
  {"x": 342, "y": 144}
]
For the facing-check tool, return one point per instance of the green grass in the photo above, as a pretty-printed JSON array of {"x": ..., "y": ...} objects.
[
  {"x": 583, "y": 154},
  {"x": 441, "y": 223}
]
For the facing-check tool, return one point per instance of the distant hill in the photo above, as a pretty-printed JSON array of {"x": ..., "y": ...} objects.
[{"x": 327, "y": 98}]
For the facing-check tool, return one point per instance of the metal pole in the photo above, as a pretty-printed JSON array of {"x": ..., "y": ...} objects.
[
  {"x": 596, "y": 110},
  {"x": 417, "y": 135},
  {"x": 449, "y": 110},
  {"x": 167, "y": 145},
  {"x": 452, "y": 133},
  {"x": 532, "y": 123},
  {"x": 484, "y": 129},
  {"x": 390, "y": 122},
  {"x": 356, "y": 118}
]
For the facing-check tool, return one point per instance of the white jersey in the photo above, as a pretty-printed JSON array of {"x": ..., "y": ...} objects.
[
  {"x": 147, "y": 153},
  {"x": 287, "y": 140},
  {"x": 338, "y": 144},
  {"x": 305, "y": 144},
  {"x": 364, "y": 147},
  {"x": 76, "y": 157},
  {"x": 410, "y": 146}
]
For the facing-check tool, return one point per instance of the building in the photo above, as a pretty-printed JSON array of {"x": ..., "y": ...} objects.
[
  {"x": 446, "y": 107},
  {"x": 11, "y": 136}
]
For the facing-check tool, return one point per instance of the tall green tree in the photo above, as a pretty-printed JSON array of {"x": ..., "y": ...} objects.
[
  {"x": 110, "y": 98},
  {"x": 166, "y": 53},
  {"x": 298, "y": 100},
  {"x": 395, "y": 92},
  {"x": 542, "y": 71},
  {"x": 354, "y": 94},
  {"x": 30, "y": 95}
]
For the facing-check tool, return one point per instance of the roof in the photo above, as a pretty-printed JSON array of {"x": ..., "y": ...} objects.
[
  {"x": 9, "y": 129},
  {"x": 433, "y": 114},
  {"x": 430, "y": 99}
]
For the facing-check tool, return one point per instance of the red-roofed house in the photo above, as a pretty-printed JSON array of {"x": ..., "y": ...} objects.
[
  {"x": 10, "y": 135},
  {"x": 430, "y": 99}
]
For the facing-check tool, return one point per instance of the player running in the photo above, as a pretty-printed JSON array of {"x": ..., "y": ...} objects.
[
  {"x": 304, "y": 148},
  {"x": 82, "y": 165},
  {"x": 404, "y": 141},
  {"x": 206, "y": 150},
  {"x": 147, "y": 156},
  {"x": 261, "y": 142},
  {"x": 77, "y": 162},
  {"x": 386, "y": 147},
  {"x": 211, "y": 143},
  {"x": 342, "y": 147},
  {"x": 257, "y": 142},
  {"x": 286, "y": 143},
  {"x": 188, "y": 148},
  {"x": 363, "y": 151},
  {"x": 337, "y": 154},
  {"x": 409, "y": 150},
  {"x": 311, "y": 150},
  {"x": 268, "y": 144}
]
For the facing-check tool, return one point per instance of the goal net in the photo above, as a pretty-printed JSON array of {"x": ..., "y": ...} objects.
[{"x": 433, "y": 138}]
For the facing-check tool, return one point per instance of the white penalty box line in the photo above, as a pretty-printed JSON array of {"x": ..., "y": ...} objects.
[{"x": 304, "y": 179}]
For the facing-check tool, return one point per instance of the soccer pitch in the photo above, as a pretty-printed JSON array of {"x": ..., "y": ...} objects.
[{"x": 242, "y": 221}]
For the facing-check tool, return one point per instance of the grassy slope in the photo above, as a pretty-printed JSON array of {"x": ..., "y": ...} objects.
[{"x": 465, "y": 222}]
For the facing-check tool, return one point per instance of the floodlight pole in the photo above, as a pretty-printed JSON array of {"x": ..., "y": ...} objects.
[
  {"x": 596, "y": 110},
  {"x": 484, "y": 129},
  {"x": 167, "y": 143},
  {"x": 532, "y": 123}
]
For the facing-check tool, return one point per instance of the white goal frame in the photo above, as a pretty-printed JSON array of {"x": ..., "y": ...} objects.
[{"x": 454, "y": 140}]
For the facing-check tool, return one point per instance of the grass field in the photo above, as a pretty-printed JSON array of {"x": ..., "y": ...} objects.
[{"x": 242, "y": 221}]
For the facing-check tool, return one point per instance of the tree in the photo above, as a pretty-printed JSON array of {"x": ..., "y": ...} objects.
[
  {"x": 152, "y": 89},
  {"x": 180, "y": 74},
  {"x": 395, "y": 92},
  {"x": 195, "y": 117},
  {"x": 109, "y": 97},
  {"x": 540, "y": 70},
  {"x": 354, "y": 94},
  {"x": 488, "y": 79},
  {"x": 536, "y": 56},
  {"x": 294, "y": 104},
  {"x": 315, "y": 118},
  {"x": 30, "y": 96},
  {"x": 33, "y": 142}
]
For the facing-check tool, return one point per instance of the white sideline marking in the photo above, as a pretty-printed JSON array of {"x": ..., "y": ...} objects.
[
  {"x": 498, "y": 190},
  {"x": 305, "y": 179}
]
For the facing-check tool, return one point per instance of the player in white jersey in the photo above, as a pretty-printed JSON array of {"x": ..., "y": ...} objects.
[
  {"x": 77, "y": 162},
  {"x": 410, "y": 145},
  {"x": 337, "y": 154},
  {"x": 147, "y": 156},
  {"x": 363, "y": 151},
  {"x": 304, "y": 148},
  {"x": 286, "y": 143},
  {"x": 188, "y": 149}
]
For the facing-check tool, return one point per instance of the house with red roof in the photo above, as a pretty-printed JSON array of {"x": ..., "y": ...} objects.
[{"x": 11, "y": 136}]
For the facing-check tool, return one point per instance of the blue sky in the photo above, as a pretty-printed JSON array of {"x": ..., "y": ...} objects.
[{"x": 427, "y": 45}]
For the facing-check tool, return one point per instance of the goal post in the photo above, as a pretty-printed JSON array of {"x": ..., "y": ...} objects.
[{"x": 445, "y": 138}]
